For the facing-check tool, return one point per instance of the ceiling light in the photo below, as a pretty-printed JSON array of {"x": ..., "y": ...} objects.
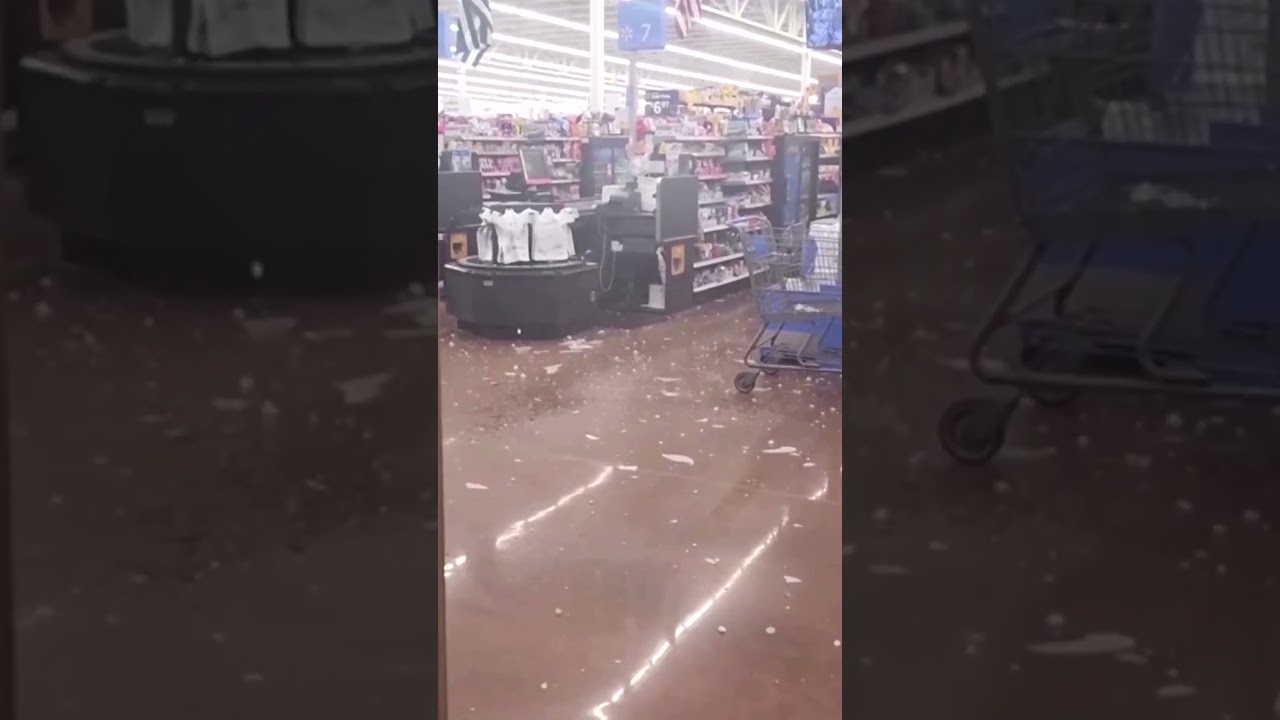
[
  {"x": 551, "y": 47},
  {"x": 717, "y": 79},
  {"x": 574, "y": 82},
  {"x": 521, "y": 86},
  {"x": 491, "y": 95},
  {"x": 573, "y": 70},
  {"x": 674, "y": 49}
]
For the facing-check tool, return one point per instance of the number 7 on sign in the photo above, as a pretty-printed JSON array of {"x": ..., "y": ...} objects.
[{"x": 642, "y": 25}]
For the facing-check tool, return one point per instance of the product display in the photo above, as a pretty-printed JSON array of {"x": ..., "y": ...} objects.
[
  {"x": 909, "y": 59},
  {"x": 493, "y": 146},
  {"x": 718, "y": 144}
]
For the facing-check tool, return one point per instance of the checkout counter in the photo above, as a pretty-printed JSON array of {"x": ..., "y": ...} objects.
[{"x": 624, "y": 259}]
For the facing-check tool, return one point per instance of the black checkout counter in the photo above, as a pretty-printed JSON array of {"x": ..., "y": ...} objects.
[{"x": 615, "y": 265}]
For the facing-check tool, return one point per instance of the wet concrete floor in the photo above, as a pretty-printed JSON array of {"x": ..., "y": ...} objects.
[
  {"x": 222, "y": 504},
  {"x": 1117, "y": 562},
  {"x": 629, "y": 537}
]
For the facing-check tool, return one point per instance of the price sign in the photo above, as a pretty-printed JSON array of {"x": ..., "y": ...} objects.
[
  {"x": 662, "y": 102},
  {"x": 642, "y": 25}
]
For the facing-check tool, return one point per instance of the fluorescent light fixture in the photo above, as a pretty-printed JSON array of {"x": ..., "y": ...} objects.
[
  {"x": 490, "y": 95},
  {"x": 537, "y": 77},
  {"x": 482, "y": 81},
  {"x": 673, "y": 49},
  {"x": 550, "y": 47},
  {"x": 561, "y": 69},
  {"x": 717, "y": 79}
]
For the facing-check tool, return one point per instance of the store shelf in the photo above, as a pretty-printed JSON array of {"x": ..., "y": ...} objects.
[
  {"x": 716, "y": 261},
  {"x": 878, "y": 47},
  {"x": 497, "y": 173},
  {"x": 755, "y": 206},
  {"x": 493, "y": 153},
  {"x": 707, "y": 139},
  {"x": 704, "y": 154},
  {"x": 747, "y": 160},
  {"x": 717, "y": 201},
  {"x": 872, "y": 123},
  {"x": 747, "y": 183},
  {"x": 824, "y": 158},
  {"x": 565, "y": 160},
  {"x": 712, "y": 178},
  {"x": 715, "y": 228},
  {"x": 721, "y": 283}
]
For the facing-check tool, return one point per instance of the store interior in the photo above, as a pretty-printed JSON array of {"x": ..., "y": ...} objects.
[
  {"x": 1114, "y": 559},
  {"x": 222, "y": 498},
  {"x": 640, "y": 341}
]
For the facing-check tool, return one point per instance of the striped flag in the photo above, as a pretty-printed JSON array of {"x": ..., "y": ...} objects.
[
  {"x": 688, "y": 12},
  {"x": 476, "y": 31}
]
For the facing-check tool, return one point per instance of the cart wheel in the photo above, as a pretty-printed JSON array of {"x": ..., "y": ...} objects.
[
  {"x": 770, "y": 371},
  {"x": 1050, "y": 397},
  {"x": 972, "y": 430},
  {"x": 745, "y": 382}
]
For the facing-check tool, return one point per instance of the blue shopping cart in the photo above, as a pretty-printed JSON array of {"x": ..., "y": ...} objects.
[
  {"x": 1145, "y": 165},
  {"x": 795, "y": 280}
]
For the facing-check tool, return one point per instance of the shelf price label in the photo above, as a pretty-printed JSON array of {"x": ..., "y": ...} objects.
[
  {"x": 663, "y": 103},
  {"x": 642, "y": 25}
]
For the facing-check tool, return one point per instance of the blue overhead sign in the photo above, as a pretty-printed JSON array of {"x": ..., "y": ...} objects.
[
  {"x": 642, "y": 25},
  {"x": 824, "y": 22},
  {"x": 446, "y": 36}
]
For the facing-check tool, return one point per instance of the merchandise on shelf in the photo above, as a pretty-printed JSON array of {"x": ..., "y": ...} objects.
[
  {"x": 911, "y": 80},
  {"x": 875, "y": 19},
  {"x": 717, "y": 248},
  {"x": 713, "y": 218},
  {"x": 719, "y": 274},
  {"x": 707, "y": 168}
]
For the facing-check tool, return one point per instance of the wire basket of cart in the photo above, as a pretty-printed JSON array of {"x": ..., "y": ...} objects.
[
  {"x": 795, "y": 282},
  {"x": 1144, "y": 162}
]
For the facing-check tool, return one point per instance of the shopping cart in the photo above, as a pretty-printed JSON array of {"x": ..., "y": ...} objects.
[
  {"x": 795, "y": 280},
  {"x": 1144, "y": 158}
]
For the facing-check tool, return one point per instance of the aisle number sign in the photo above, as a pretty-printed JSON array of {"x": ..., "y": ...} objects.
[{"x": 642, "y": 25}]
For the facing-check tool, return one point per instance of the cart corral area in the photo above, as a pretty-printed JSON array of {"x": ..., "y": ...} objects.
[{"x": 1115, "y": 561}]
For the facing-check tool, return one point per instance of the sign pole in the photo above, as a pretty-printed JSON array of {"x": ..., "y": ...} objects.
[{"x": 633, "y": 100}]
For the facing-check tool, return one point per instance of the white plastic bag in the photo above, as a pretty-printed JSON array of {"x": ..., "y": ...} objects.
[
  {"x": 225, "y": 27},
  {"x": 485, "y": 237},
  {"x": 513, "y": 236},
  {"x": 552, "y": 236},
  {"x": 345, "y": 23}
]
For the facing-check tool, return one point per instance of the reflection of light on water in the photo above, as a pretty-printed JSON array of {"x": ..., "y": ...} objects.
[
  {"x": 458, "y": 562},
  {"x": 692, "y": 618},
  {"x": 517, "y": 528},
  {"x": 822, "y": 491}
]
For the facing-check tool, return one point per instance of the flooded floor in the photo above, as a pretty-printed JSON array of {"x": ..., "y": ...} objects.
[
  {"x": 629, "y": 537},
  {"x": 222, "y": 506},
  {"x": 1117, "y": 562}
]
